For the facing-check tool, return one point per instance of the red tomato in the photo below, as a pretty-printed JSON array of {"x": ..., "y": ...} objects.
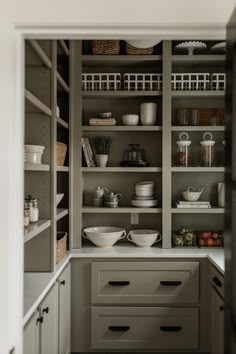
[
  {"x": 206, "y": 234},
  {"x": 201, "y": 242},
  {"x": 210, "y": 242}
]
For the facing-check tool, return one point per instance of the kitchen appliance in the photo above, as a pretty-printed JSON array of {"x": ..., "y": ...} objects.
[
  {"x": 104, "y": 236},
  {"x": 134, "y": 156},
  {"x": 144, "y": 238}
]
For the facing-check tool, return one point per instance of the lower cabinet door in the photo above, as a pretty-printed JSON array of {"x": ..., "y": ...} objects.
[
  {"x": 31, "y": 335},
  {"x": 145, "y": 328},
  {"x": 217, "y": 323},
  {"x": 49, "y": 327}
]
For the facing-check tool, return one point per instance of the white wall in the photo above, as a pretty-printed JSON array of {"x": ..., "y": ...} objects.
[{"x": 212, "y": 13}]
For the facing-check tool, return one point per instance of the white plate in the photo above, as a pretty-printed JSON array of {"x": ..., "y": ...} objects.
[
  {"x": 219, "y": 47},
  {"x": 144, "y": 203},
  {"x": 143, "y": 198},
  {"x": 190, "y": 46}
]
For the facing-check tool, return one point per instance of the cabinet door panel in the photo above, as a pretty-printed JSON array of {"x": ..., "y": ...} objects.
[
  {"x": 31, "y": 336},
  {"x": 49, "y": 327},
  {"x": 64, "y": 283},
  {"x": 217, "y": 323}
]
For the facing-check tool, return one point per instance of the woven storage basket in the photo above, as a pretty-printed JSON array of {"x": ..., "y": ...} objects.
[
  {"x": 106, "y": 47},
  {"x": 138, "y": 51},
  {"x": 61, "y": 153},
  {"x": 61, "y": 245}
]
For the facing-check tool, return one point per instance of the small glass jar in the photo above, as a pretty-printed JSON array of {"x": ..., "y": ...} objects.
[
  {"x": 26, "y": 217},
  {"x": 32, "y": 204},
  {"x": 183, "y": 150},
  {"x": 183, "y": 116},
  {"x": 207, "y": 150},
  {"x": 195, "y": 114}
]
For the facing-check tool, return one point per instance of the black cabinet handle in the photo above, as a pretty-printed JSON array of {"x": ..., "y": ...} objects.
[
  {"x": 39, "y": 320},
  {"x": 119, "y": 283},
  {"x": 170, "y": 328},
  {"x": 46, "y": 310},
  {"x": 217, "y": 282},
  {"x": 119, "y": 328},
  {"x": 170, "y": 282},
  {"x": 222, "y": 308},
  {"x": 63, "y": 282}
]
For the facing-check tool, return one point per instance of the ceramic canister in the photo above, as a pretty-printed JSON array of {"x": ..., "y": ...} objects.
[{"x": 148, "y": 113}]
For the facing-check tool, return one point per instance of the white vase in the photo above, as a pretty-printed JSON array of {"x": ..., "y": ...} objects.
[
  {"x": 221, "y": 195},
  {"x": 148, "y": 113},
  {"x": 101, "y": 160}
]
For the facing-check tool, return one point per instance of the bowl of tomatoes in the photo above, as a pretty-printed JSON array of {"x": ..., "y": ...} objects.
[{"x": 210, "y": 239}]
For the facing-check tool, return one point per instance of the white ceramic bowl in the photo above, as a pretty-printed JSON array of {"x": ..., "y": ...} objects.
[
  {"x": 143, "y": 43},
  {"x": 144, "y": 238},
  {"x": 130, "y": 119},
  {"x": 105, "y": 115},
  {"x": 191, "y": 196},
  {"x": 104, "y": 236},
  {"x": 144, "y": 203},
  {"x": 33, "y": 154},
  {"x": 59, "y": 198},
  {"x": 145, "y": 183},
  {"x": 34, "y": 148},
  {"x": 144, "y": 189}
]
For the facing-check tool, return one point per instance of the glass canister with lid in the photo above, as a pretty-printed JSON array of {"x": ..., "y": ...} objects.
[
  {"x": 183, "y": 150},
  {"x": 32, "y": 204},
  {"x": 207, "y": 150}
]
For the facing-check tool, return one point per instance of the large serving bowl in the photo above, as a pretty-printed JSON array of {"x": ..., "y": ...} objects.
[
  {"x": 144, "y": 238},
  {"x": 104, "y": 236}
]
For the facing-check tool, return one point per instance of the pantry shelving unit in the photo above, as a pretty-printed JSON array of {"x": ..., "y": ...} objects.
[{"x": 44, "y": 86}]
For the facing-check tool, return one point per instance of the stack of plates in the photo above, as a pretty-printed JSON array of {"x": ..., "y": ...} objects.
[{"x": 144, "y": 197}]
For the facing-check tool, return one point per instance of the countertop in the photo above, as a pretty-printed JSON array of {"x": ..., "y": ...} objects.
[{"x": 37, "y": 285}]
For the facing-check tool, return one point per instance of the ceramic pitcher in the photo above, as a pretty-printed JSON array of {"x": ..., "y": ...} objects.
[{"x": 221, "y": 195}]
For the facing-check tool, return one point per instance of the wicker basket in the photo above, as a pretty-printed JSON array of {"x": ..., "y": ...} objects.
[
  {"x": 61, "y": 153},
  {"x": 61, "y": 245},
  {"x": 138, "y": 51},
  {"x": 106, "y": 47}
]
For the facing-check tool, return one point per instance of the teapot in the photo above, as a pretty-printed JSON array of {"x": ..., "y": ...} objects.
[
  {"x": 99, "y": 192},
  {"x": 112, "y": 200}
]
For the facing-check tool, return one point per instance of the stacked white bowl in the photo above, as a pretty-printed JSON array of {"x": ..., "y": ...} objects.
[
  {"x": 33, "y": 154},
  {"x": 144, "y": 195}
]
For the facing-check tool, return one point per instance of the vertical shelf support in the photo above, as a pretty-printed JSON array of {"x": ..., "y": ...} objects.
[{"x": 166, "y": 145}]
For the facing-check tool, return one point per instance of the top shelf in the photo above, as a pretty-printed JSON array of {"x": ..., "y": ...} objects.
[{"x": 119, "y": 60}]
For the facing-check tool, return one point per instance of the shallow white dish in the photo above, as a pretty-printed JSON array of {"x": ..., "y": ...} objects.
[
  {"x": 144, "y": 203},
  {"x": 59, "y": 198},
  {"x": 130, "y": 119},
  {"x": 143, "y": 43},
  {"x": 104, "y": 236},
  {"x": 219, "y": 47},
  {"x": 144, "y": 238},
  {"x": 190, "y": 46}
]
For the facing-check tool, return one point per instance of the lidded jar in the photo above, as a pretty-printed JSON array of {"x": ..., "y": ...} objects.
[
  {"x": 32, "y": 204},
  {"x": 207, "y": 150},
  {"x": 183, "y": 150}
]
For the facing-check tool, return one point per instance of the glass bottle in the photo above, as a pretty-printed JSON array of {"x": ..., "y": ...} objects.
[
  {"x": 183, "y": 150},
  {"x": 207, "y": 150},
  {"x": 32, "y": 204}
]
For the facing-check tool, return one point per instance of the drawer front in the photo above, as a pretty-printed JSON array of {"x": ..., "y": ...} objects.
[
  {"x": 145, "y": 282},
  {"x": 217, "y": 280},
  {"x": 145, "y": 328}
]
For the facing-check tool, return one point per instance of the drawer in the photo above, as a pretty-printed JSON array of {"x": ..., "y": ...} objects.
[
  {"x": 145, "y": 328},
  {"x": 145, "y": 282},
  {"x": 217, "y": 280}
]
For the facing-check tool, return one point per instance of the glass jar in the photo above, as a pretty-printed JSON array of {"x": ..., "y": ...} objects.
[
  {"x": 26, "y": 217},
  {"x": 32, "y": 204},
  {"x": 183, "y": 150},
  {"x": 207, "y": 150},
  {"x": 183, "y": 116}
]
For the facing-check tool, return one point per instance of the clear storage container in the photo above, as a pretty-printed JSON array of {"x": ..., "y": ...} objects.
[
  {"x": 183, "y": 150},
  {"x": 207, "y": 150}
]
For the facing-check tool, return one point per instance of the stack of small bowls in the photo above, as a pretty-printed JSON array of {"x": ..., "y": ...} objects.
[
  {"x": 144, "y": 195},
  {"x": 98, "y": 196}
]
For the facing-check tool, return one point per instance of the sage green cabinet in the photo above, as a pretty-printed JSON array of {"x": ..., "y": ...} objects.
[
  {"x": 217, "y": 312},
  {"x": 64, "y": 284},
  {"x": 31, "y": 335}
]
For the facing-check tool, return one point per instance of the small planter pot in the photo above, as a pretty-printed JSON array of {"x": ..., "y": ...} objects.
[{"x": 101, "y": 160}]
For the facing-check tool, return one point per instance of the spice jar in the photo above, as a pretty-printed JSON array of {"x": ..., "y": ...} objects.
[
  {"x": 207, "y": 150},
  {"x": 32, "y": 204},
  {"x": 26, "y": 217},
  {"x": 183, "y": 150}
]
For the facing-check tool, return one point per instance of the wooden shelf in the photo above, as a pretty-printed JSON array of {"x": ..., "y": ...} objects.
[
  {"x": 62, "y": 123},
  {"x": 36, "y": 228},
  {"x": 62, "y": 169},
  {"x": 119, "y": 60},
  {"x": 121, "y": 169},
  {"x": 120, "y": 94},
  {"x": 36, "y": 167},
  {"x": 41, "y": 53},
  {"x": 199, "y": 128},
  {"x": 198, "y": 211},
  {"x": 198, "y": 169},
  {"x": 122, "y": 128},
  {"x": 198, "y": 59},
  {"x": 62, "y": 83},
  {"x": 121, "y": 210},
  {"x": 61, "y": 213},
  {"x": 36, "y": 103},
  {"x": 64, "y": 47},
  {"x": 200, "y": 94}
]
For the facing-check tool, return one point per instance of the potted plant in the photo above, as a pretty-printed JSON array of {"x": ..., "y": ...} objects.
[{"x": 102, "y": 146}]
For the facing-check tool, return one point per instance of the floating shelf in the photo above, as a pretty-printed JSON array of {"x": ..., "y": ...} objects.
[
  {"x": 41, "y": 53},
  {"x": 61, "y": 213},
  {"x": 121, "y": 169},
  {"x": 62, "y": 83},
  {"x": 198, "y": 169},
  {"x": 121, "y": 210},
  {"x": 36, "y": 103},
  {"x": 198, "y": 211},
  {"x": 119, "y": 60},
  {"x": 119, "y": 94},
  {"x": 36, "y": 167},
  {"x": 122, "y": 128},
  {"x": 200, "y": 94},
  {"x": 36, "y": 228},
  {"x": 199, "y": 128},
  {"x": 198, "y": 59},
  {"x": 62, "y": 123},
  {"x": 62, "y": 169},
  {"x": 64, "y": 46}
]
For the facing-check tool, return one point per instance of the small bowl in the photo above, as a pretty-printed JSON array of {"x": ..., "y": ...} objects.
[
  {"x": 59, "y": 198},
  {"x": 191, "y": 194},
  {"x": 130, "y": 119},
  {"x": 144, "y": 238},
  {"x": 105, "y": 115}
]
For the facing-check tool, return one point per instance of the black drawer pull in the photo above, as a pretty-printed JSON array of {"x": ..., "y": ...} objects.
[
  {"x": 46, "y": 310},
  {"x": 63, "y": 282},
  {"x": 39, "y": 320},
  {"x": 170, "y": 328},
  {"x": 171, "y": 282},
  {"x": 118, "y": 283},
  {"x": 217, "y": 282},
  {"x": 118, "y": 328},
  {"x": 222, "y": 308}
]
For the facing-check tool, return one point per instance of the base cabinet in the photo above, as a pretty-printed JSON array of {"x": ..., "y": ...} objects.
[
  {"x": 31, "y": 335},
  {"x": 217, "y": 312}
]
